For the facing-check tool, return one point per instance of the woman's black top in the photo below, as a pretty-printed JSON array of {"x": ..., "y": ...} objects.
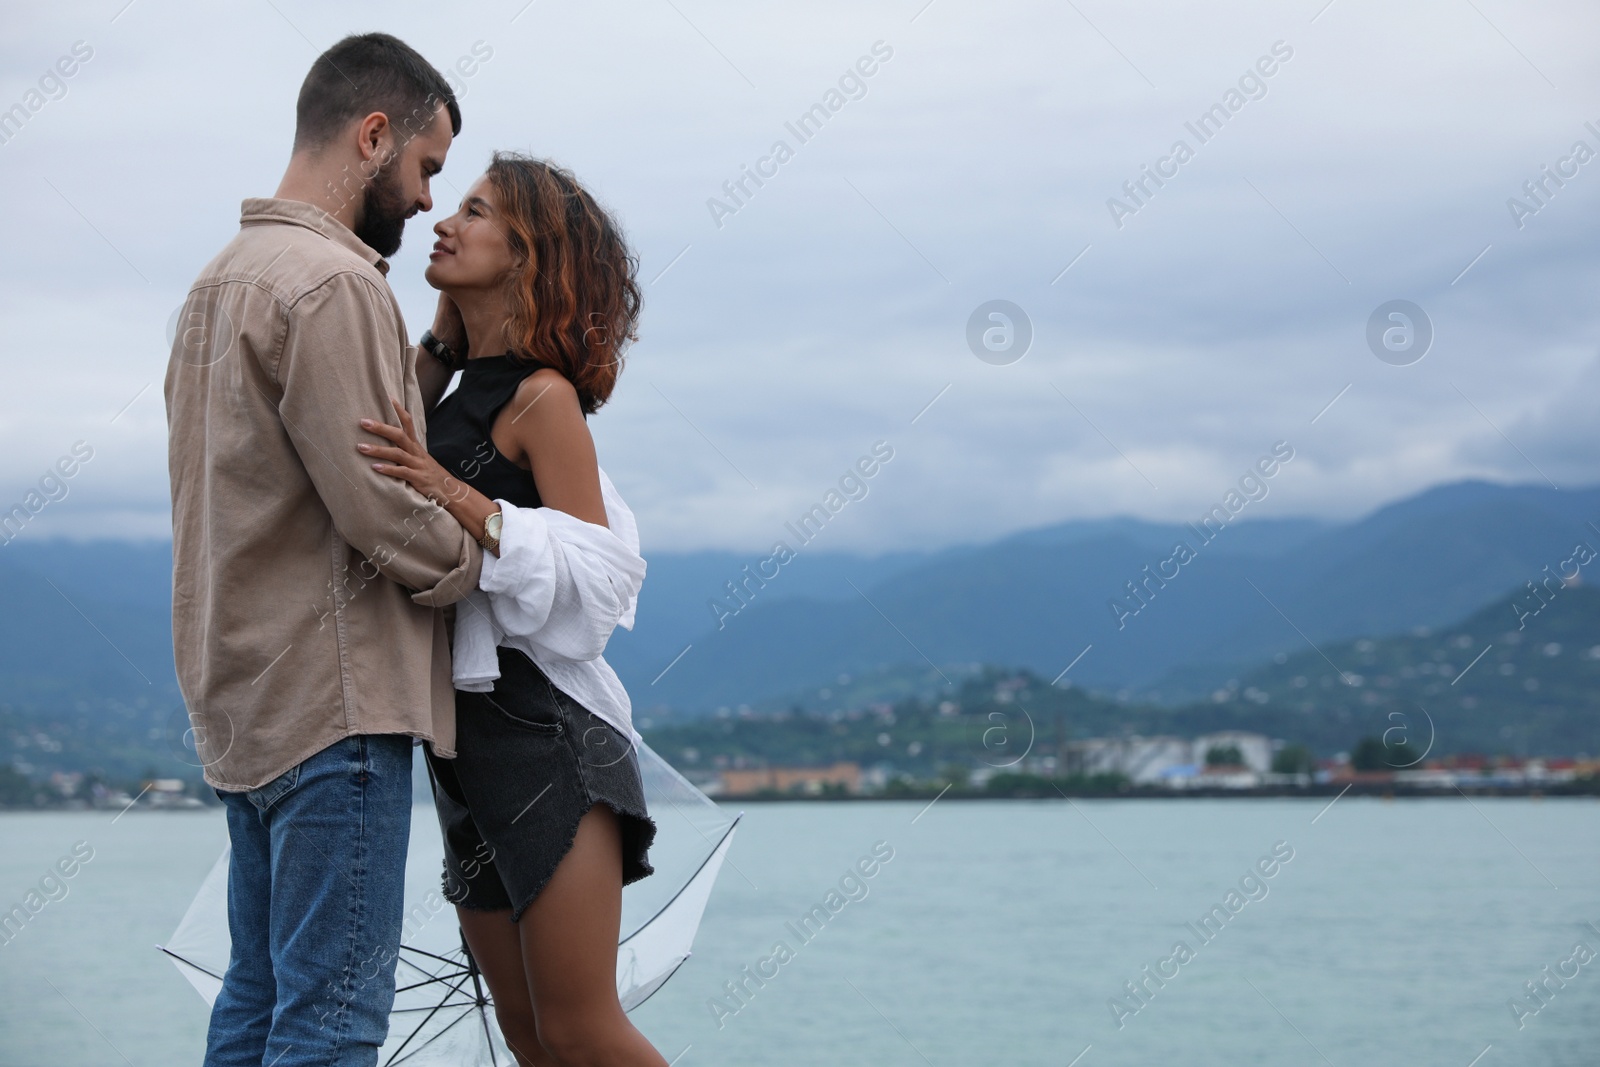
[{"x": 459, "y": 430}]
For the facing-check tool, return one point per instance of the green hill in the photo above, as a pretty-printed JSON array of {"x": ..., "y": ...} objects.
[
  {"x": 1487, "y": 684},
  {"x": 1533, "y": 691}
]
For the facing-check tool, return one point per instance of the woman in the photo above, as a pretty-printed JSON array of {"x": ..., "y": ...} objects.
[{"x": 542, "y": 809}]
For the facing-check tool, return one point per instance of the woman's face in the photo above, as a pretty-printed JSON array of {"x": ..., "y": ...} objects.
[{"x": 473, "y": 250}]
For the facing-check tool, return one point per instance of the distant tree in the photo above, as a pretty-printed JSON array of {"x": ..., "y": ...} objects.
[
  {"x": 1371, "y": 754},
  {"x": 15, "y": 789},
  {"x": 1224, "y": 755},
  {"x": 1293, "y": 759},
  {"x": 1368, "y": 755},
  {"x": 1014, "y": 784},
  {"x": 1402, "y": 755},
  {"x": 902, "y": 785},
  {"x": 956, "y": 774}
]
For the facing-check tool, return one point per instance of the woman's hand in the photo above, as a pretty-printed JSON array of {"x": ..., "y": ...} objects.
[{"x": 409, "y": 461}]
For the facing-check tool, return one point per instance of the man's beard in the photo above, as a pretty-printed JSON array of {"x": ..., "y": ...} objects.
[{"x": 383, "y": 213}]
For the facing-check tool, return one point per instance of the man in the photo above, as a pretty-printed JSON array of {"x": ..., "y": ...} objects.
[{"x": 306, "y": 588}]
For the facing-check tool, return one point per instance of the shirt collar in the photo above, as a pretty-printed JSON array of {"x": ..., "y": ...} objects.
[{"x": 300, "y": 213}]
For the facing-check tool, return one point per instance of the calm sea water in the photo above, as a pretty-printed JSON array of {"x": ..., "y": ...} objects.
[{"x": 997, "y": 933}]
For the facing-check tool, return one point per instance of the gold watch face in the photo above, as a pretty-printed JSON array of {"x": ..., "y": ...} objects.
[{"x": 491, "y": 525}]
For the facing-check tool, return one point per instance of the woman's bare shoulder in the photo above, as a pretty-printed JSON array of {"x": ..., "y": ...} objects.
[{"x": 545, "y": 396}]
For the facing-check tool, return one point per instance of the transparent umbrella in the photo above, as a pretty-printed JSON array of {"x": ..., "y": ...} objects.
[{"x": 443, "y": 1013}]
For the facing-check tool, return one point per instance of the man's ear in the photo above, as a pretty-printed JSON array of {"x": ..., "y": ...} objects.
[{"x": 374, "y": 139}]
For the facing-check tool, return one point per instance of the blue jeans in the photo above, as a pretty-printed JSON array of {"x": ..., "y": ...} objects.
[{"x": 315, "y": 892}]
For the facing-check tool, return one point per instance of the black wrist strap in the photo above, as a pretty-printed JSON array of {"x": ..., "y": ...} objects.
[{"x": 439, "y": 350}]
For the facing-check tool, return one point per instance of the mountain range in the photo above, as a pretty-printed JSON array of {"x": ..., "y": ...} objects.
[
  {"x": 1041, "y": 598},
  {"x": 1505, "y": 681},
  {"x": 86, "y": 638}
]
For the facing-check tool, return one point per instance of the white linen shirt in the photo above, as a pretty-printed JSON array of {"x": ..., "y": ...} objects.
[{"x": 556, "y": 591}]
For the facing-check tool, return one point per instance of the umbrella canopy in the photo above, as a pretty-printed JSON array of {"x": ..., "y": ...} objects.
[{"x": 442, "y": 1012}]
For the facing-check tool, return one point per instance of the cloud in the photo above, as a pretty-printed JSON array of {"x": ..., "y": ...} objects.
[{"x": 827, "y": 312}]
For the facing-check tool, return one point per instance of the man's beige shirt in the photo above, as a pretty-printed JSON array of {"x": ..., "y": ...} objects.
[{"x": 306, "y": 587}]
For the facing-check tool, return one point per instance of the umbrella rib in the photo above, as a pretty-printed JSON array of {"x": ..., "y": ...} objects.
[
  {"x": 477, "y": 988},
  {"x": 432, "y": 978},
  {"x": 446, "y": 1003},
  {"x": 430, "y": 955},
  {"x": 488, "y": 1038},
  {"x": 663, "y": 982},
  {"x": 443, "y": 977},
  {"x": 442, "y": 1031},
  {"x": 189, "y": 963},
  {"x": 436, "y": 1008},
  {"x": 687, "y": 882}
]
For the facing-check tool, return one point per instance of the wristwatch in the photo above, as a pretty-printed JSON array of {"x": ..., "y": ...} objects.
[
  {"x": 440, "y": 351},
  {"x": 491, "y": 533}
]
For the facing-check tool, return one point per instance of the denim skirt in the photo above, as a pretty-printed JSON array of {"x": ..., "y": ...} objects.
[{"x": 530, "y": 762}]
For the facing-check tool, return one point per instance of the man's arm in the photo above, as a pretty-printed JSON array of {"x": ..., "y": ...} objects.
[{"x": 341, "y": 362}]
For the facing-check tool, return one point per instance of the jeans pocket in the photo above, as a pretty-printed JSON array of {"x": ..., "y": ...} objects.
[
  {"x": 276, "y": 789},
  {"x": 524, "y": 696},
  {"x": 528, "y": 709}
]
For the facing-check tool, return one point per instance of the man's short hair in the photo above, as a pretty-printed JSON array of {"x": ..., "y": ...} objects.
[{"x": 370, "y": 72}]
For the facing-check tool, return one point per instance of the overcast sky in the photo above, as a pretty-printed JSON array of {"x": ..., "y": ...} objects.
[{"x": 1196, "y": 326}]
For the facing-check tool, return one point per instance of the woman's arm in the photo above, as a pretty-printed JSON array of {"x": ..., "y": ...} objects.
[
  {"x": 543, "y": 429},
  {"x": 561, "y": 579},
  {"x": 564, "y": 579},
  {"x": 409, "y": 461},
  {"x": 562, "y": 583},
  {"x": 433, "y": 377}
]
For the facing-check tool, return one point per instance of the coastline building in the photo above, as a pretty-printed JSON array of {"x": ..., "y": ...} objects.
[
  {"x": 1256, "y": 749},
  {"x": 1144, "y": 760},
  {"x": 1173, "y": 762},
  {"x": 806, "y": 781}
]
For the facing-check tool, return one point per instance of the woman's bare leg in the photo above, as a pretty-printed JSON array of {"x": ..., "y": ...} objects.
[
  {"x": 496, "y": 945},
  {"x": 569, "y": 949}
]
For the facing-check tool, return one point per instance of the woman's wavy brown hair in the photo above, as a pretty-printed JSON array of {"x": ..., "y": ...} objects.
[{"x": 575, "y": 298}]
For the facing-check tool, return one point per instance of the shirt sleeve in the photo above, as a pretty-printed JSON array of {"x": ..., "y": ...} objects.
[
  {"x": 341, "y": 362},
  {"x": 562, "y": 583}
]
